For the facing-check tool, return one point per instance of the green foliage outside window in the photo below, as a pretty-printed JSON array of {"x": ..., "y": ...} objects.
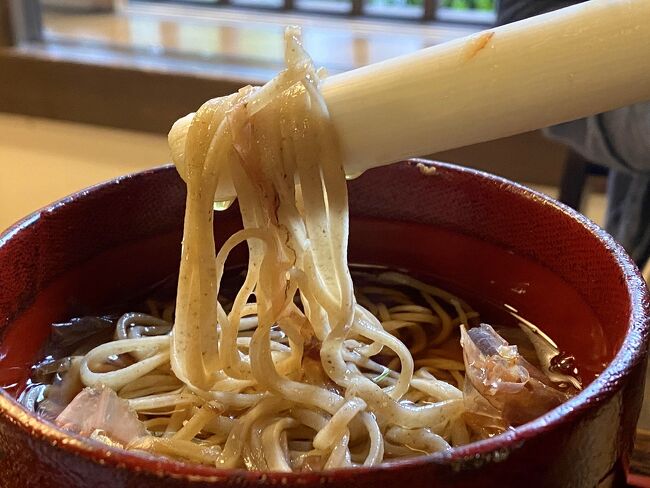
[
  {"x": 453, "y": 4},
  {"x": 469, "y": 4}
]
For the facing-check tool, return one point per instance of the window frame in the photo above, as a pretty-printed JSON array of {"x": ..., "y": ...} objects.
[{"x": 430, "y": 10}]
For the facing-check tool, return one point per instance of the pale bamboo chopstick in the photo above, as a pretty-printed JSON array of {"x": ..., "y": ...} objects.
[{"x": 545, "y": 70}]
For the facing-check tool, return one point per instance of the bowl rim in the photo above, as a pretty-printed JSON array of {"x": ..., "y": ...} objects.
[{"x": 630, "y": 354}]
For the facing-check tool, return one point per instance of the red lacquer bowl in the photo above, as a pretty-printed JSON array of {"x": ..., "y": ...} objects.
[{"x": 480, "y": 234}]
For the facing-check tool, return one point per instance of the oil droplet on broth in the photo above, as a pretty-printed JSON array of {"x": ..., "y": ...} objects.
[{"x": 222, "y": 205}]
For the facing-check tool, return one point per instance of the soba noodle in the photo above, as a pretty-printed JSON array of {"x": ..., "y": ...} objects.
[{"x": 297, "y": 373}]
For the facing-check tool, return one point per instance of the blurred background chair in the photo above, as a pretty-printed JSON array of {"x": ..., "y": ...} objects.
[{"x": 573, "y": 184}]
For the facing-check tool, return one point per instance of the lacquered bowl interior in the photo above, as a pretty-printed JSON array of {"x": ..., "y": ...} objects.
[{"x": 485, "y": 238}]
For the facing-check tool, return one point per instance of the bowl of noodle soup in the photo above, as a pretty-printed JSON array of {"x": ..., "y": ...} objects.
[{"x": 487, "y": 239}]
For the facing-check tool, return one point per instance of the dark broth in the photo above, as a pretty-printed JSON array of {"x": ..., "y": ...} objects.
[
  {"x": 79, "y": 335},
  {"x": 493, "y": 280}
]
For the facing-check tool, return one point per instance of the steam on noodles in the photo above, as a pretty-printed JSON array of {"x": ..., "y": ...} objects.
[{"x": 294, "y": 371}]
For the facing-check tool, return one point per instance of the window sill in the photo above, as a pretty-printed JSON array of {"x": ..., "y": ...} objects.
[{"x": 103, "y": 87}]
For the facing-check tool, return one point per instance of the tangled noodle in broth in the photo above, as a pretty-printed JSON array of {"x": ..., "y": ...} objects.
[{"x": 297, "y": 373}]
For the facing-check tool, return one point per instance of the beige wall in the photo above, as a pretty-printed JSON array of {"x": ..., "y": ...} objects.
[{"x": 42, "y": 160}]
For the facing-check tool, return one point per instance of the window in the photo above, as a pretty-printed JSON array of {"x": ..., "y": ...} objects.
[
  {"x": 469, "y": 11},
  {"x": 110, "y": 62},
  {"x": 245, "y": 36}
]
